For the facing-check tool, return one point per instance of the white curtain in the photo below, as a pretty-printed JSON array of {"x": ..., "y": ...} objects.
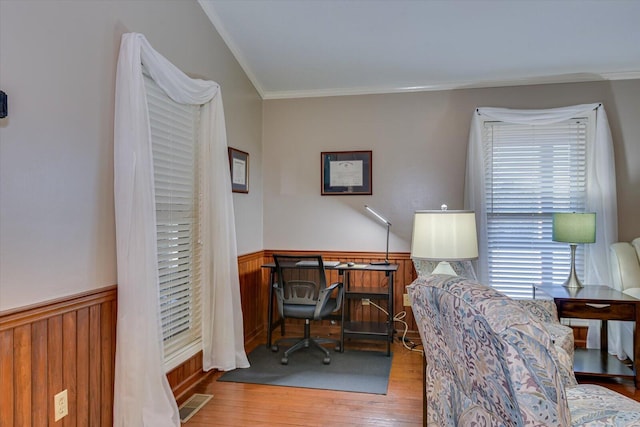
[
  {"x": 601, "y": 192},
  {"x": 142, "y": 396}
]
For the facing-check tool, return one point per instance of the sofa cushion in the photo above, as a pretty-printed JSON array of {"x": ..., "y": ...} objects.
[{"x": 593, "y": 405}]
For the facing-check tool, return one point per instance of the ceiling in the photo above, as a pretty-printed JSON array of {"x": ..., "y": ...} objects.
[{"x": 301, "y": 48}]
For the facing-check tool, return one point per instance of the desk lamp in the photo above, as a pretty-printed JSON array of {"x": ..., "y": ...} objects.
[
  {"x": 388, "y": 224},
  {"x": 574, "y": 228},
  {"x": 444, "y": 236}
]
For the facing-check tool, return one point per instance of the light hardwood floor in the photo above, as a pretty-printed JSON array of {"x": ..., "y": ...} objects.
[{"x": 238, "y": 404}]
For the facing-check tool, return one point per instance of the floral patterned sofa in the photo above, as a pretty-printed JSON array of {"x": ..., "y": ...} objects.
[{"x": 489, "y": 362}]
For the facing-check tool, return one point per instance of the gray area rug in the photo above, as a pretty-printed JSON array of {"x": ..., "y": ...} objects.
[{"x": 356, "y": 371}]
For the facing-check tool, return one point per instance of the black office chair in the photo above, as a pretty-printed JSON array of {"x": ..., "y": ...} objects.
[{"x": 302, "y": 293}]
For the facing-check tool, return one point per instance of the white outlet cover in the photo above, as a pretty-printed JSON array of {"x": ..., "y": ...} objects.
[{"x": 60, "y": 405}]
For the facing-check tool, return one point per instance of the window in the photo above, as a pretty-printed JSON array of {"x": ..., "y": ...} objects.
[
  {"x": 175, "y": 159},
  {"x": 532, "y": 171}
]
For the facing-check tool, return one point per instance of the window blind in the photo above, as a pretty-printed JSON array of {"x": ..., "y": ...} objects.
[
  {"x": 531, "y": 172},
  {"x": 174, "y": 135}
]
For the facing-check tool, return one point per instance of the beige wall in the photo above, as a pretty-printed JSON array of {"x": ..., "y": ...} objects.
[
  {"x": 419, "y": 145},
  {"x": 57, "y": 65}
]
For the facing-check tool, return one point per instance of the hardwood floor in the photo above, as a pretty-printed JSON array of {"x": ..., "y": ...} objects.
[{"x": 238, "y": 404}]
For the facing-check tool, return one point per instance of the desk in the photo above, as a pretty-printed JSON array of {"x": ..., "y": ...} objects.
[
  {"x": 601, "y": 303},
  {"x": 347, "y": 327}
]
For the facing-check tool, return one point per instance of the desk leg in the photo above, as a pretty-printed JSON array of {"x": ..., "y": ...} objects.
[
  {"x": 345, "y": 305},
  {"x": 636, "y": 347},
  {"x": 390, "y": 309},
  {"x": 604, "y": 336},
  {"x": 272, "y": 276}
]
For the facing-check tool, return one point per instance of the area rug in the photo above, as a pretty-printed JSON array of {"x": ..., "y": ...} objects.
[{"x": 355, "y": 371}]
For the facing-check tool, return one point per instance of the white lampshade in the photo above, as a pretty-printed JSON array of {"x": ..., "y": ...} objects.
[
  {"x": 574, "y": 227},
  {"x": 444, "y": 236}
]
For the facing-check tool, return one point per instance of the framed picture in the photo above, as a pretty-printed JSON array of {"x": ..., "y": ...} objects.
[
  {"x": 239, "y": 165},
  {"x": 346, "y": 173}
]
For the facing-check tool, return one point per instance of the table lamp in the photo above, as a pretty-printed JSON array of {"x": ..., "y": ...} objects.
[
  {"x": 444, "y": 236},
  {"x": 574, "y": 228},
  {"x": 388, "y": 224}
]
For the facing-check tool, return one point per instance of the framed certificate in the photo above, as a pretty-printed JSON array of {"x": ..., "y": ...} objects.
[
  {"x": 346, "y": 173},
  {"x": 239, "y": 165}
]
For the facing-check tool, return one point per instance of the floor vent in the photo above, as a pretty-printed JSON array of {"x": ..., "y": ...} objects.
[{"x": 193, "y": 405}]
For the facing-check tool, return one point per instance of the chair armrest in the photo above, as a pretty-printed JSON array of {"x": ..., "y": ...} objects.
[
  {"x": 338, "y": 285},
  {"x": 325, "y": 295},
  {"x": 279, "y": 297}
]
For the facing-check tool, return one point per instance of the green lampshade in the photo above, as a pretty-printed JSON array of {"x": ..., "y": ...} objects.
[{"x": 574, "y": 227}]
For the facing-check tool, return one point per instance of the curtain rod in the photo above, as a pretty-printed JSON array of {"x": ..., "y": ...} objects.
[{"x": 595, "y": 108}]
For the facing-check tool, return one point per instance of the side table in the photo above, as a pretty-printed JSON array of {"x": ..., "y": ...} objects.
[{"x": 600, "y": 303}]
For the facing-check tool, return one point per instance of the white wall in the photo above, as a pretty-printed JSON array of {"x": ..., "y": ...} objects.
[
  {"x": 57, "y": 65},
  {"x": 419, "y": 143}
]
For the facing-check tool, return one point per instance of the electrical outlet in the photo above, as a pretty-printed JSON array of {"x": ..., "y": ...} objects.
[
  {"x": 365, "y": 301},
  {"x": 60, "y": 405},
  {"x": 406, "y": 301}
]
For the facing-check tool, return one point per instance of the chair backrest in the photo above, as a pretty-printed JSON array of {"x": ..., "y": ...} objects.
[
  {"x": 300, "y": 278},
  {"x": 488, "y": 361},
  {"x": 625, "y": 264}
]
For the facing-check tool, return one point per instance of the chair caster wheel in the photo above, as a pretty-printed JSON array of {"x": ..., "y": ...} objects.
[
  {"x": 326, "y": 360},
  {"x": 284, "y": 361},
  {"x": 337, "y": 348},
  {"x": 274, "y": 348}
]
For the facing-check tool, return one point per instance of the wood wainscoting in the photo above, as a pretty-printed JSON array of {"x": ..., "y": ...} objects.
[
  {"x": 67, "y": 344},
  {"x": 70, "y": 343}
]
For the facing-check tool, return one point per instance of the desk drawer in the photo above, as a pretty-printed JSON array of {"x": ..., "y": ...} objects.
[{"x": 588, "y": 310}]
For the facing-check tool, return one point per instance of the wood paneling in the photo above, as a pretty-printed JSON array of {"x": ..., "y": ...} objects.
[
  {"x": 67, "y": 344},
  {"x": 253, "y": 293}
]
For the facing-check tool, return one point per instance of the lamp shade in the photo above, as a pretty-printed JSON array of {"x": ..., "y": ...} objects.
[
  {"x": 574, "y": 227},
  {"x": 444, "y": 236}
]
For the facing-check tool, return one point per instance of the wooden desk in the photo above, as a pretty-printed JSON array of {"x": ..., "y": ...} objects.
[
  {"x": 348, "y": 328},
  {"x": 600, "y": 303}
]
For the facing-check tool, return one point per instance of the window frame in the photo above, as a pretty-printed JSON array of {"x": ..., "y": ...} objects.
[
  {"x": 177, "y": 203},
  {"x": 554, "y": 268}
]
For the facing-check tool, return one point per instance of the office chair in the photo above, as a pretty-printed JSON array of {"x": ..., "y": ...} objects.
[{"x": 302, "y": 293}]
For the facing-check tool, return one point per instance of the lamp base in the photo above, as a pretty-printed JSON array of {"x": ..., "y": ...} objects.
[
  {"x": 572, "y": 281},
  {"x": 444, "y": 267}
]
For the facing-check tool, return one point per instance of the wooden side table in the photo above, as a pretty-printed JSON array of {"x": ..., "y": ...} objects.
[{"x": 600, "y": 303}]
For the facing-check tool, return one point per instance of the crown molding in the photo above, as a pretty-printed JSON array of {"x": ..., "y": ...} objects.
[
  {"x": 565, "y": 78},
  {"x": 237, "y": 53}
]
